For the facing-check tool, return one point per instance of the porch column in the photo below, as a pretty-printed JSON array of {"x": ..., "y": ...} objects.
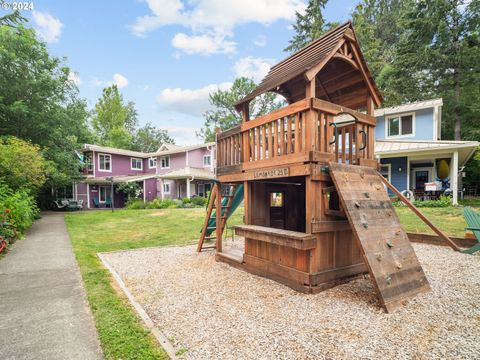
[
  {"x": 454, "y": 178},
  {"x": 161, "y": 189},
  {"x": 188, "y": 188}
]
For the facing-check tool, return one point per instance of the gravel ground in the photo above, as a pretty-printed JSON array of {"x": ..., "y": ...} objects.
[{"x": 210, "y": 310}]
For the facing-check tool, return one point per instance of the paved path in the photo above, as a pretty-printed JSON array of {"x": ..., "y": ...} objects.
[{"x": 43, "y": 310}]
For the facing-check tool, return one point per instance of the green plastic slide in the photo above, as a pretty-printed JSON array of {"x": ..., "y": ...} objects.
[{"x": 236, "y": 201}]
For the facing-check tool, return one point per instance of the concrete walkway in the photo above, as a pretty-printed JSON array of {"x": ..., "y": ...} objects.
[{"x": 43, "y": 309}]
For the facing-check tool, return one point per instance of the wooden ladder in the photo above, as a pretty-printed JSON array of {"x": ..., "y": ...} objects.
[{"x": 215, "y": 202}]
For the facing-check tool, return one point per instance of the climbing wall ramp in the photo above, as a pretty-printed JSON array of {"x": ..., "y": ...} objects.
[{"x": 388, "y": 254}]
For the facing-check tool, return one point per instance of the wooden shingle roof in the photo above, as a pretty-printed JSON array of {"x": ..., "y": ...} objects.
[{"x": 305, "y": 59}]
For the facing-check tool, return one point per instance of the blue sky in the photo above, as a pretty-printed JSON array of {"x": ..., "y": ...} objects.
[{"x": 167, "y": 55}]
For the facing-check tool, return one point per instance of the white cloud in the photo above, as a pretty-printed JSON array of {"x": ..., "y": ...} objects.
[
  {"x": 182, "y": 134},
  {"x": 119, "y": 80},
  {"x": 260, "y": 41},
  {"x": 202, "y": 44},
  {"x": 251, "y": 67},
  {"x": 74, "y": 78},
  {"x": 48, "y": 27},
  {"x": 215, "y": 18},
  {"x": 189, "y": 101}
]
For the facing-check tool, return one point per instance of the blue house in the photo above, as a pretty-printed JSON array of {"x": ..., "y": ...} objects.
[{"x": 411, "y": 152}]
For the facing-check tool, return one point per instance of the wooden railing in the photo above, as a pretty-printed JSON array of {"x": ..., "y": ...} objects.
[{"x": 289, "y": 134}]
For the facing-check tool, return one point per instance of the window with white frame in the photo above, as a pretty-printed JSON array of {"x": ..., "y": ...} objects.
[
  {"x": 103, "y": 193},
  {"x": 104, "y": 162},
  {"x": 400, "y": 125},
  {"x": 207, "y": 160},
  {"x": 386, "y": 171},
  {"x": 166, "y": 187},
  {"x": 136, "y": 163},
  {"x": 165, "y": 162},
  {"x": 152, "y": 163}
]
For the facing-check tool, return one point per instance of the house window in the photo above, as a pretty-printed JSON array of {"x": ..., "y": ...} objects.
[
  {"x": 152, "y": 163},
  {"x": 165, "y": 162},
  {"x": 166, "y": 188},
  {"x": 104, "y": 162},
  {"x": 386, "y": 171},
  {"x": 136, "y": 164},
  {"x": 207, "y": 160},
  {"x": 400, "y": 125},
  {"x": 103, "y": 193}
]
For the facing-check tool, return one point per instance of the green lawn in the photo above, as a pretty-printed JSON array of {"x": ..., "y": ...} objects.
[{"x": 121, "y": 334}]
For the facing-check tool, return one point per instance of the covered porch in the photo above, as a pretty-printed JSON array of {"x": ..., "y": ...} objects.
[
  {"x": 425, "y": 169},
  {"x": 101, "y": 192},
  {"x": 186, "y": 183}
]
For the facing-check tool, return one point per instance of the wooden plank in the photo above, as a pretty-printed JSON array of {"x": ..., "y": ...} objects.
[
  {"x": 218, "y": 220},
  {"x": 207, "y": 218},
  {"x": 277, "y": 114},
  {"x": 389, "y": 256},
  {"x": 289, "y": 135},
  {"x": 293, "y": 170},
  {"x": 297, "y": 133},
  {"x": 335, "y": 109},
  {"x": 232, "y": 131},
  {"x": 322, "y": 226},
  {"x": 281, "y": 237},
  {"x": 286, "y": 275},
  {"x": 275, "y": 140},
  {"x": 417, "y": 212},
  {"x": 270, "y": 140},
  {"x": 282, "y": 136}
]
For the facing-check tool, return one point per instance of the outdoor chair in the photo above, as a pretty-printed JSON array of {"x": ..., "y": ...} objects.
[
  {"x": 108, "y": 202},
  {"x": 59, "y": 205},
  {"x": 75, "y": 204},
  {"x": 95, "y": 202},
  {"x": 472, "y": 219}
]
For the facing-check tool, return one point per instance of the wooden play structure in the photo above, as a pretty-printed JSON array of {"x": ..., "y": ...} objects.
[{"x": 317, "y": 212}]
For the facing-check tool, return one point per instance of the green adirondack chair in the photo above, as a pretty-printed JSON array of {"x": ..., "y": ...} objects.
[
  {"x": 473, "y": 221},
  {"x": 108, "y": 202}
]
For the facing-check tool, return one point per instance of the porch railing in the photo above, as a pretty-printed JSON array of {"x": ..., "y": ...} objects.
[{"x": 291, "y": 133}]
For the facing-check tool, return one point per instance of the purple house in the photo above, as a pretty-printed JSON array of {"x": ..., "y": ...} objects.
[{"x": 172, "y": 172}]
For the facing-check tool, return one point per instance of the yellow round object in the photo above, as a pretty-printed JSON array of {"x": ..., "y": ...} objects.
[{"x": 443, "y": 169}]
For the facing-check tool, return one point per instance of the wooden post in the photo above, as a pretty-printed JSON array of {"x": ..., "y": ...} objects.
[
  {"x": 417, "y": 212},
  {"x": 311, "y": 115},
  {"x": 454, "y": 178},
  {"x": 218, "y": 220}
]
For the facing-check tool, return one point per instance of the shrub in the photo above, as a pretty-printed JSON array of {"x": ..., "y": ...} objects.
[
  {"x": 199, "y": 201},
  {"x": 443, "y": 201},
  {"x": 18, "y": 210},
  {"x": 134, "y": 204},
  {"x": 186, "y": 200}
]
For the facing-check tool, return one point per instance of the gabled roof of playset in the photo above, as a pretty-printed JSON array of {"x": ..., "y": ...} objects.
[{"x": 313, "y": 59}]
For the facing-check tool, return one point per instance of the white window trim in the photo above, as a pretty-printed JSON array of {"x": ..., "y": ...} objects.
[
  {"x": 111, "y": 162},
  {"x": 99, "y": 193},
  {"x": 151, "y": 158},
  {"x": 169, "y": 187},
  {"x": 387, "y": 125},
  {"x": 141, "y": 163},
  {"x": 164, "y": 157},
  {"x": 389, "y": 171},
  {"x": 207, "y": 156},
  {"x": 414, "y": 174}
]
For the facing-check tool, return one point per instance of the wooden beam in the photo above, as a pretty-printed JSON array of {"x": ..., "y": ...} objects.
[
  {"x": 417, "y": 212},
  {"x": 346, "y": 59},
  {"x": 323, "y": 89},
  {"x": 312, "y": 72}
]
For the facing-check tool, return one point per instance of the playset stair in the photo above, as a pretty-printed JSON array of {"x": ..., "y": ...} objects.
[{"x": 209, "y": 230}]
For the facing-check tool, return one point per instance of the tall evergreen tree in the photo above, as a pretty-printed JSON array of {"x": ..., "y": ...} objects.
[{"x": 309, "y": 26}]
